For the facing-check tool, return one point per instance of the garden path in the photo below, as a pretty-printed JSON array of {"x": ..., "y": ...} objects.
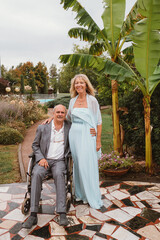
[{"x": 26, "y": 146}]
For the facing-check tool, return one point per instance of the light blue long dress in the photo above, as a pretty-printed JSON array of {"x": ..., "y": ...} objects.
[{"x": 84, "y": 154}]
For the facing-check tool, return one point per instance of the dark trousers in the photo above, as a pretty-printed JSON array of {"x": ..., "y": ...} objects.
[{"x": 58, "y": 170}]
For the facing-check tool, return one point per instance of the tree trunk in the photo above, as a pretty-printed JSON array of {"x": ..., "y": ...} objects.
[
  {"x": 116, "y": 129},
  {"x": 148, "y": 145}
]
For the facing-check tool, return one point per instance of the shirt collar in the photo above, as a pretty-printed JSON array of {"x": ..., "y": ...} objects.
[{"x": 54, "y": 129}]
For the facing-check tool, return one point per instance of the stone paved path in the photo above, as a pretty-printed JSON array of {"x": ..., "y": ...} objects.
[{"x": 131, "y": 211}]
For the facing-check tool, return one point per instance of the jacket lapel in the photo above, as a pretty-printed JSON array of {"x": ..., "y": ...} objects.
[
  {"x": 65, "y": 135},
  {"x": 48, "y": 135}
]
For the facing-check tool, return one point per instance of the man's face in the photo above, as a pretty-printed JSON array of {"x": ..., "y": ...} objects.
[{"x": 59, "y": 113}]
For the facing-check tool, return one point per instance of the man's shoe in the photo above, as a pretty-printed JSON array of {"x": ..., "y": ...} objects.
[
  {"x": 63, "y": 220},
  {"x": 31, "y": 221}
]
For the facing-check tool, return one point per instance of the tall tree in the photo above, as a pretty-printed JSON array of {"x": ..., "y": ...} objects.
[
  {"x": 33, "y": 84},
  {"x": 53, "y": 78},
  {"x": 41, "y": 76},
  {"x": 22, "y": 84},
  {"x": 53, "y": 71},
  {"x": 106, "y": 44}
]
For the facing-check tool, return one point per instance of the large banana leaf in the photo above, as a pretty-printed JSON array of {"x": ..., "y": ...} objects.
[
  {"x": 100, "y": 64},
  {"x": 113, "y": 18},
  {"x": 83, "y": 18},
  {"x": 154, "y": 80},
  {"x": 97, "y": 48},
  {"x": 82, "y": 33},
  {"x": 147, "y": 40},
  {"x": 131, "y": 18}
]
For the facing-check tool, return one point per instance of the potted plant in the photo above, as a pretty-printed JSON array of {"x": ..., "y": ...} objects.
[{"x": 114, "y": 165}]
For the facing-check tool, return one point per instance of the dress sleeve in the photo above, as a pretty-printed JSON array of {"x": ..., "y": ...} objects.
[
  {"x": 99, "y": 116},
  {"x": 94, "y": 106}
]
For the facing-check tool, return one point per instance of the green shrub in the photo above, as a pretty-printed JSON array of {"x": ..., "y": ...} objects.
[
  {"x": 10, "y": 136},
  {"x": 27, "y": 112},
  {"x": 10, "y": 111},
  {"x": 62, "y": 100},
  {"x": 17, "y": 125},
  {"x": 44, "y": 108},
  {"x": 132, "y": 120}
]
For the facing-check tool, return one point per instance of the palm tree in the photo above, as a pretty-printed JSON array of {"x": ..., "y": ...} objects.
[{"x": 106, "y": 45}]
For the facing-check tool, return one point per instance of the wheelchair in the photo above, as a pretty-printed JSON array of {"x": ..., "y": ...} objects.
[{"x": 68, "y": 182}]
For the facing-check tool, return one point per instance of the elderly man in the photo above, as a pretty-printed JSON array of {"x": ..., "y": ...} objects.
[{"x": 51, "y": 148}]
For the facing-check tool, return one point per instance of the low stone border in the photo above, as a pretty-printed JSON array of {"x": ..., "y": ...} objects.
[{"x": 21, "y": 166}]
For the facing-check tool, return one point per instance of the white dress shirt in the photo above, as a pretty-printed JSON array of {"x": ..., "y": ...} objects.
[{"x": 56, "y": 147}]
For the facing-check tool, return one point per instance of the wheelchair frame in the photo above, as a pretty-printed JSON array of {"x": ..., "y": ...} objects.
[{"x": 68, "y": 181}]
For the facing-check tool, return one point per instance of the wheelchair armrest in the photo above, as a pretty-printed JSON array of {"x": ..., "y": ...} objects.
[{"x": 31, "y": 155}]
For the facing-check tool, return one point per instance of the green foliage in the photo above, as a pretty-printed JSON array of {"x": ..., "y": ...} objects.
[
  {"x": 68, "y": 72},
  {"x": 10, "y": 170},
  {"x": 54, "y": 84},
  {"x": 43, "y": 107},
  {"x": 105, "y": 93},
  {"x": 17, "y": 110},
  {"x": 104, "y": 96},
  {"x": 61, "y": 100},
  {"x": 107, "y": 130},
  {"x": 10, "y": 136},
  {"x": 22, "y": 84},
  {"x": 17, "y": 125},
  {"x": 146, "y": 38},
  {"x": 113, "y": 21},
  {"x": 33, "y": 84},
  {"x": 45, "y": 86},
  {"x": 30, "y": 97},
  {"x": 10, "y": 111},
  {"x": 132, "y": 120}
]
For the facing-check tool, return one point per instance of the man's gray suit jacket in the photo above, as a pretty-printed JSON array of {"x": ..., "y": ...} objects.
[{"x": 41, "y": 142}]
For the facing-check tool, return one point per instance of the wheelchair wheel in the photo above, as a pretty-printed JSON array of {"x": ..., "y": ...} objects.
[
  {"x": 25, "y": 206},
  {"x": 68, "y": 202}
]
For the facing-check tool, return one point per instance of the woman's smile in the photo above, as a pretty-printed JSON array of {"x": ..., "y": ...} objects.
[{"x": 80, "y": 85}]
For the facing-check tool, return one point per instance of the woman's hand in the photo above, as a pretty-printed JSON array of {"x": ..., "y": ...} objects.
[
  {"x": 98, "y": 145},
  {"x": 47, "y": 121}
]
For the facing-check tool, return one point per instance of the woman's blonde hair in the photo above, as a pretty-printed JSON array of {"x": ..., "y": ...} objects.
[{"x": 90, "y": 89}]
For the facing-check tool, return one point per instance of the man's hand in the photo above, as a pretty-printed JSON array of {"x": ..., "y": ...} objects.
[
  {"x": 93, "y": 132},
  {"x": 43, "y": 163},
  {"x": 47, "y": 121}
]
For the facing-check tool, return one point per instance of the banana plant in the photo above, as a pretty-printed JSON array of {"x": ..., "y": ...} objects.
[
  {"x": 146, "y": 48},
  {"x": 105, "y": 46}
]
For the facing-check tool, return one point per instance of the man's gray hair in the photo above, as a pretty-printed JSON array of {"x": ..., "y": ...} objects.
[{"x": 59, "y": 105}]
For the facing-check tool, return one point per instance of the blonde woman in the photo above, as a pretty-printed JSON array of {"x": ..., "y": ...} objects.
[{"x": 84, "y": 113}]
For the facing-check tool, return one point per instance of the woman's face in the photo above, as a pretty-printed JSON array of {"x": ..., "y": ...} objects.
[{"x": 80, "y": 85}]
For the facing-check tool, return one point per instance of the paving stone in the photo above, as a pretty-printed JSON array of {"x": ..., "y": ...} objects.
[
  {"x": 150, "y": 232},
  {"x": 42, "y": 232},
  {"x": 128, "y": 208},
  {"x": 123, "y": 234},
  {"x": 137, "y": 223},
  {"x": 150, "y": 214}
]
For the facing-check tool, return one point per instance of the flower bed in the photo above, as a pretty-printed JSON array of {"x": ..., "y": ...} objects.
[{"x": 114, "y": 161}]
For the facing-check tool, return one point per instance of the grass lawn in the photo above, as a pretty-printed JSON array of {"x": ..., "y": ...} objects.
[
  {"x": 9, "y": 166},
  {"x": 107, "y": 131}
]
